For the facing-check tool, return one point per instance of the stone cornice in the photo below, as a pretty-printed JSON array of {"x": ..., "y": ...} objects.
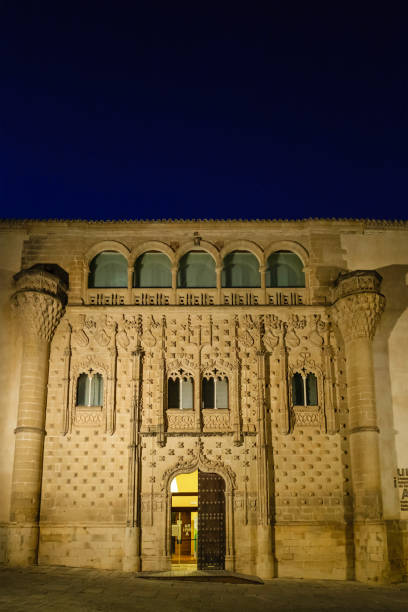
[{"x": 305, "y": 222}]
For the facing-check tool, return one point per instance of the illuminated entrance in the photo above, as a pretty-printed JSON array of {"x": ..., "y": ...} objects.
[{"x": 198, "y": 520}]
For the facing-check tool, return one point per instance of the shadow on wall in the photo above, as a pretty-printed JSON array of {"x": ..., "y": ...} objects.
[{"x": 389, "y": 391}]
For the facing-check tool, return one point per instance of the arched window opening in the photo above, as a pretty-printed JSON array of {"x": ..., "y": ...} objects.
[
  {"x": 109, "y": 269},
  {"x": 284, "y": 269},
  {"x": 304, "y": 389},
  {"x": 90, "y": 390},
  {"x": 180, "y": 393},
  {"x": 311, "y": 390},
  {"x": 298, "y": 394},
  {"x": 152, "y": 270},
  {"x": 241, "y": 269},
  {"x": 215, "y": 392},
  {"x": 196, "y": 270}
]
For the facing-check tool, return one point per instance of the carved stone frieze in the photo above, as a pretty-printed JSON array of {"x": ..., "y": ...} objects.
[
  {"x": 216, "y": 420},
  {"x": 306, "y": 416},
  {"x": 179, "y": 420},
  {"x": 88, "y": 416}
]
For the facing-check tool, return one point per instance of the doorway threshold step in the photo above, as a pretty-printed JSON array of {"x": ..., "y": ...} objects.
[{"x": 202, "y": 576}]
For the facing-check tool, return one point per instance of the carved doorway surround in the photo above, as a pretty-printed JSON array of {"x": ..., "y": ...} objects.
[{"x": 227, "y": 484}]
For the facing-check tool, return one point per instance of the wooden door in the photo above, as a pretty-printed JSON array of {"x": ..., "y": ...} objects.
[{"x": 211, "y": 521}]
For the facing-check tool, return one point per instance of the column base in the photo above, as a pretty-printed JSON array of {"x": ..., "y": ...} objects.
[
  {"x": 131, "y": 547},
  {"x": 371, "y": 552},
  {"x": 265, "y": 562},
  {"x": 22, "y": 548},
  {"x": 230, "y": 563}
]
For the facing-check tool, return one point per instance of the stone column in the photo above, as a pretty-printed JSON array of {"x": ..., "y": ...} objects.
[
  {"x": 357, "y": 309},
  {"x": 39, "y": 303}
]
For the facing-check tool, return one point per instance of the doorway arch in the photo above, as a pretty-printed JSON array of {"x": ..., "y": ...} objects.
[{"x": 229, "y": 484}]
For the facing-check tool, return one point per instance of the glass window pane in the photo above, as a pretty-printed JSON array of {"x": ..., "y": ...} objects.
[
  {"x": 108, "y": 269},
  {"x": 153, "y": 270},
  {"x": 173, "y": 393},
  {"x": 208, "y": 393},
  {"x": 298, "y": 396},
  {"x": 311, "y": 390},
  {"x": 97, "y": 390},
  {"x": 196, "y": 270},
  {"x": 187, "y": 394},
  {"x": 82, "y": 390},
  {"x": 241, "y": 269},
  {"x": 284, "y": 269},
  {"x": 222, "y": 393}
]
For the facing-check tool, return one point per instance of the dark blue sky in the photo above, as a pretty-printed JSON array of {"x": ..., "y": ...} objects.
[{"x": 203, "y": 110}]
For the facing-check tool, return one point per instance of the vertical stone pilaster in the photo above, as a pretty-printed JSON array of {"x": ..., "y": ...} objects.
[
  {"x": 265, "y": 559},
  {"x": 131, "y": 559},
  {"x": 39, "y": 303},
  {"x": 357, "y": 309}
]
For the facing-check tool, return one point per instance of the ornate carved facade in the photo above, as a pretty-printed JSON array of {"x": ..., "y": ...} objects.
[{"x": 106, "y": 398}]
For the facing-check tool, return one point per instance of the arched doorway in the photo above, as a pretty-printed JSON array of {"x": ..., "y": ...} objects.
[{"x": 198, "y": 520}]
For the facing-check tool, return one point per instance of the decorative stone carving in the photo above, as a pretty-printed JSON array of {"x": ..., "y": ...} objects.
[
  {"x": 178, "y": 420},
  {"x": 358, "y": 281},
  {"x": 92, "y": 416},
  {"x": 216, "y": 420},
  {"x": 199, "y": 460},
  {"x": 307, "y": 416},
  {"x": 359, "y": 304},
  {"x": 39, "y": 313}
]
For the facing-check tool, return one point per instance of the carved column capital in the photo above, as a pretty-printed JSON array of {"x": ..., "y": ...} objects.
[
  {"x": 39, "y": 301},
  {"x": 359, "y": 304}
]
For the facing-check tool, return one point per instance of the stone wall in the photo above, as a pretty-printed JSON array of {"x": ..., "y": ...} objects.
[{"x": 294, "y": 503}]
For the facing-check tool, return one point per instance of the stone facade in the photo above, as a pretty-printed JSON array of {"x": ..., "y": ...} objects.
[{"x": 314, "y": 490}]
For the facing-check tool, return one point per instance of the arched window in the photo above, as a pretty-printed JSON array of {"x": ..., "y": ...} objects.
[
  {"x": 298, "y": 392},
  {"x": 152, "y": 270},
  {"x": 241, "y": 269},
  {"x": 90, "y": 390},
  {"x": 180, "y": 392},
  {"x": 214, "y": 392},
  {"x": 196, "y": 270},
  {"x": 311, "y": 390},
  {"x": 284, "y": 269},
  {"x": 304, "y": 389},
  {"x": 109, "y": 269}
]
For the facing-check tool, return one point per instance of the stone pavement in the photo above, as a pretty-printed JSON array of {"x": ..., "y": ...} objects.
[{"x": 63, "y": 589}]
